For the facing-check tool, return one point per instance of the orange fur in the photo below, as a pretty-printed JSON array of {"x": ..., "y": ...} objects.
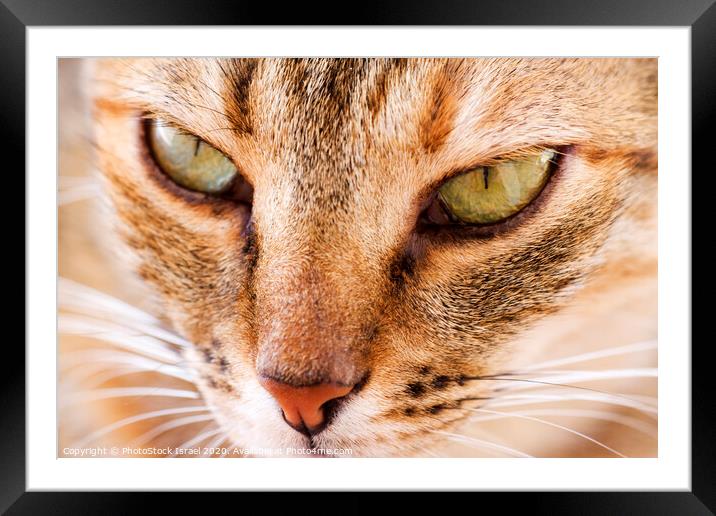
[{"x": 335, "y": 283}]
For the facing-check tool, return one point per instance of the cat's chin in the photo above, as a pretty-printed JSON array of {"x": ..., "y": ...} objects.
[
  {"x": 275, "y": 441},
  {"x": 265, "y": 439},
  {"x": 318, "y": 448},
  {"x": 271, "y": 437}
]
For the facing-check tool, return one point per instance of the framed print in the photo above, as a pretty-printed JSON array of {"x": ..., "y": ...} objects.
[{"x": 455, "y": 257}]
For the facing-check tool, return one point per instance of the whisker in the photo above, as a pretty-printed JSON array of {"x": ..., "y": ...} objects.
[
  {"x": 139, "y": 345},
  {"x": 94, "y": 375},
  {"x": 527, "y": 399},
  {"x": 125, "y": 392},
  {"x": 484, "y": 444},
  {"x": 65, "y": 181},
  {"x": 135, "y": 419},
  {"x": 536, "y": 384},
  {"x": 584, "y": 357},
  {"x": 83, "y": 358},
  {"x": 602, "y": 415},
  {"x": 76, "y": 324},
  {"x": 170, "y": 425},
  {"x": 118, "y": 372},
  {"x": 215, "y": 443},
  {"x": 211, "y": 109},
  {"x": 198, "y": 439},
  {"x": 144, "y": 344},
  {"x": 77, "y": 193},
  {"x": 549, "y": 423},
  {"x": 73, "y": 296},
  {"x": 226, "y": 129},
  {"x": 579, "y": 375}
]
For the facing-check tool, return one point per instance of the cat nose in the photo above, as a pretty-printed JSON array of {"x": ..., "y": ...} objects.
[{"x": 304, "y": 408}]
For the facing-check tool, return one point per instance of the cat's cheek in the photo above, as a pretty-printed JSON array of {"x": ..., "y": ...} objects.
[{"x": 502, "y": 286}]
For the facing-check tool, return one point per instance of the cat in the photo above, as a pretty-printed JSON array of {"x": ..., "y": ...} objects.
[{"x": 320, "y": 268}]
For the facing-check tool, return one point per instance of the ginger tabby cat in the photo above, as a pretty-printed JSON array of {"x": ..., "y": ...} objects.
[{"x": 362, "y": 257}]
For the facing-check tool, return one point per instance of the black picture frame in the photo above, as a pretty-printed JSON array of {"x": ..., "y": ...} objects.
[{"x": 17, "y": 15}]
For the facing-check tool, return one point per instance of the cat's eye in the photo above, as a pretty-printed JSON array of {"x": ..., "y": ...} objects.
[
  {"x": 189, "y": 161},
  {"x": 487, "y": 195}
]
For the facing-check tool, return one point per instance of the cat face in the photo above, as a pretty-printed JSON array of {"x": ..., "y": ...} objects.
[{"x": 323, "y": 310}]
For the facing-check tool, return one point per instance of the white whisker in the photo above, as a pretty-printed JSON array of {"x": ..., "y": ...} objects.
[
  {"x": 65, "y": 181},
  {"x": 199, "y": 439},
  {"x": 77, "y": 193},
  {"x": 94, "y": 375},
  {"x": 135, "y": 419},
  {"x": 142, "y": 329},
  {"x": 83, "y": 299},
  {"x": 150, "y": 346},
  {"x": 93, "y": 324},
  {"x": 631, "y": 422},
  {"x": 111, "y": 355},
  {"x": 484, "y": 444},
  {"x": 125, "y": 392},
  {"x": 126, "y": 362},
  {"x": 121, "y": 371},
  {"x": 620, "y": 350},
  {"x": 155, "y": 329},
  {"x": 586, "y": 376},
  {"x": 170, "y": 425},
  {"x": 529, "y": 399},
  {"x": 550, "y": 423},
  {"x": 215, "y": 443},
  {"x": 162, "y": 334},
  {"x": 629, "y": 373}
]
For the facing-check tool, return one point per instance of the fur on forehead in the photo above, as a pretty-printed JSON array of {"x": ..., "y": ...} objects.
[{"x": 470, "y": 109}]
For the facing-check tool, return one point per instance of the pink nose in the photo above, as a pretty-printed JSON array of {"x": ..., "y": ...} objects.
[{"x": 303, "y": 406}]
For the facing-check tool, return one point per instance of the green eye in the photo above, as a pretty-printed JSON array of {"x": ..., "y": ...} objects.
[
  {"x": 490, "y": 194},
  {"x": 190, "y": 161}
]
